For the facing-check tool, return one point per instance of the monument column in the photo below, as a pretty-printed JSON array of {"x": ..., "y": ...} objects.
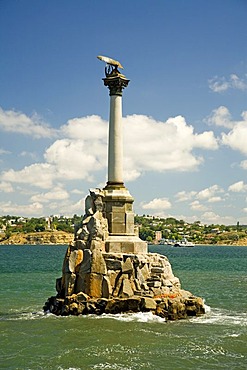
[
  {"x": 118, "y": 203},
  {"x": 116, "y": 82}
]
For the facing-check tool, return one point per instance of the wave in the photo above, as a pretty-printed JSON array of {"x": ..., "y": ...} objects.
[
  {"x": 213, "y": 316},
  {"x": 147, "y": 317},
  {"x": 216, "y": 316}
]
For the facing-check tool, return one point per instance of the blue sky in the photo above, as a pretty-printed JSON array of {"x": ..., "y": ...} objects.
[{"x": 184, "y": 111}]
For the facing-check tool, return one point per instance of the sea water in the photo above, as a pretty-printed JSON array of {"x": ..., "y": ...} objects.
[{"x": 32, "y": 340}]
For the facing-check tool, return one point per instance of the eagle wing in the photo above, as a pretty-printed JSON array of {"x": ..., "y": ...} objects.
[{"x": 110, "y": 61}]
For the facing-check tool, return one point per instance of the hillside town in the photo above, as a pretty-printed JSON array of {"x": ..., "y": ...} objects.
[{"x": 154, "y": 230}]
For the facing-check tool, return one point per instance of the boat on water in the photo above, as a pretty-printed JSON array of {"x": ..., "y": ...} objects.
[{"x": 183, "y": 243}]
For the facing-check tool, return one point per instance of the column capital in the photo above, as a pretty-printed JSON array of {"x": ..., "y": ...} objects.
[{"x": 116, "y": 83}]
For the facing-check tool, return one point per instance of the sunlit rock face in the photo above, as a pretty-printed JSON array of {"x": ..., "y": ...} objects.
[{"x": 104, "y": 272}]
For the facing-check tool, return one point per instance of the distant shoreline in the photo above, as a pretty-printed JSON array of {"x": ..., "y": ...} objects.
[{"x": 52, "y": 237}]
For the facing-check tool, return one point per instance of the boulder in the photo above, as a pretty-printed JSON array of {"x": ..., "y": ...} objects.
[
  {"x": 127, "y": 267},
  {"x": 148, "y": 304},
  {"x": 98, "y": 264},
  {"x": 126, "y": 289}
]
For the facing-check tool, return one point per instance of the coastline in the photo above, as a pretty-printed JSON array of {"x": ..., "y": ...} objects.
[
  {"x": 63, "y": 238},
  {"x": 52, "y": 237}
]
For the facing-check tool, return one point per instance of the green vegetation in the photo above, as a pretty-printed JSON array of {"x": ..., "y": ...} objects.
[
  {"x": 172, "y": 229},
  {"x": 15, "y": 224},
  {"x": 151, "y": 228}
]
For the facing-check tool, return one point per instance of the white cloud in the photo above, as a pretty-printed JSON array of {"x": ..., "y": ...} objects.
[
  {"x": 3, "y": 151},
  {"x": 86, "y": 128},
  {"x": 67, "y": 208},
  {"x": 215, "y": 199},
  {"x": 56, "y": 193},
  {"x": 162, "y": 146},
  {"x": 238, "y": 187},
  {"x": 33, "y": 209},
  {"x": 31, "y": 155},
  {"x": 197, "y": 206},
  {"x": 221, "y": 84},
  {"x": 220, "y": 117},
  {"x": 211, "y": 217},
  {"x": 184, "y": 196},
  {"x": 236, "y": 139},
  {"x": 243, "y": 164},
  {"x": 6, "y": 187},
  {"x": 75, "y": 159},
  {"x": 77, "y": 191},
  {"x": 209, "y": 193},
  {"x": 38, "y": 174},
  {"x": 238, "y": 83},
  {"x": 149, "y": 145},
  {"x": 157, "y": 203},
  {"x": 17, "y": 122}
]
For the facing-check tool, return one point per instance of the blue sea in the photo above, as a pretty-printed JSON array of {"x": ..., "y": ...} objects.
[{"x": 32, "y": 340}]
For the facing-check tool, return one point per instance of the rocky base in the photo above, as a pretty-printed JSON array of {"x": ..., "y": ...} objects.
[
  {"x": 172, "y": 307},
  {"x": 107, "y": 273}
]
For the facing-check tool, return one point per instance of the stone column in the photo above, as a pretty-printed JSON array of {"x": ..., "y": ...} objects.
[
  {"x": 116, "y": 82},
  {"x": 118, "y": 203},
  {"x": 115, "y": 148}
]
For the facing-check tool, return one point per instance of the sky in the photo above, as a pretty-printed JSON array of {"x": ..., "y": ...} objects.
[{"x": 184, "y": 111}]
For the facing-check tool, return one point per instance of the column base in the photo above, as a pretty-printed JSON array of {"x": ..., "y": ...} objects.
[{"x": 125, "y": 244}]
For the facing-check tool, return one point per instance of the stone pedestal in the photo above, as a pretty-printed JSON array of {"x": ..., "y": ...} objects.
[{"x": 123, "y": 238}]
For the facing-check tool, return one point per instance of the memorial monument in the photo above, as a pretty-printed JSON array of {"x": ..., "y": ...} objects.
[
  {"x": 118, "y": 201},
  {"x": 107, "y": 268}
]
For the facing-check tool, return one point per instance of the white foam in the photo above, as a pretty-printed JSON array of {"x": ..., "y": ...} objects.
[
  {"x": 69, "y": 368},
  {"x": 110, "y": 366},
  {"x": 207, "y": 308},
  {"x": 136, "y": 317},
  {"x": 222, "y": 317}
]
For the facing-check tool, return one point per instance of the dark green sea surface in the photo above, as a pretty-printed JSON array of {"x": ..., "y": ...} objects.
[{"x": 32, "y": 340}]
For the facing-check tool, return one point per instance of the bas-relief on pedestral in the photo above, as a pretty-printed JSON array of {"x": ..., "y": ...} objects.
[{"x": 107, "y": 268}]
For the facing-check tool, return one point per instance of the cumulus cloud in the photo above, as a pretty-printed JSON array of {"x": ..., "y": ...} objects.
[
  {"x": 221, "y": 84},
  {"x": 57, "y": 193},
  {"x": 3, "y": 151},
  {"x": 157, "y": 203},
  {"x": 220, "y": 117},
  {"x": 149, "y": 145},
  {"x": 215, "y": 199},
  {"x": 184, "y": 196},
  {"x": 76, "y": 159},
  {"x": 33, "y": 209},
  {"x": 197, "y": 206},
  {"x": 38, "y": 174},
  {"x": 238, "y": 187},
  {"x": 209, "y": 194},
  {"x": 243, "y": 164},
  {"x": 236, "y": 138},
  {"x": 152, "y": 145},
  {"x": 211, "y": 217},
  {"x": 86, "y": 128},
  {"x": 6, "y": 187},
  {"x": 67, "y": 208},
  {"x": 18, "y": 122}
]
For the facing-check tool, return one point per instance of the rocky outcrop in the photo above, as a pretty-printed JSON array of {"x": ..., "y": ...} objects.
[
  {"x": 96, "y": 281},
  {"x": 99, "y": 283}
]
